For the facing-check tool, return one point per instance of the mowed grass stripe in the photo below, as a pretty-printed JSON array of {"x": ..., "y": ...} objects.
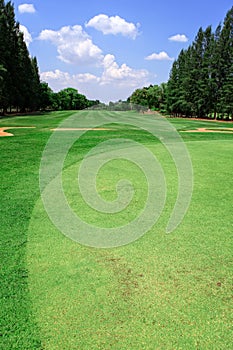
[
  {"x": 162, "y": 291},
  {"x": 19, "y": 175}
]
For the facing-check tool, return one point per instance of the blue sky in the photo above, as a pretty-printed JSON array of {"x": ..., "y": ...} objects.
[{"x": 108, "y": 48}]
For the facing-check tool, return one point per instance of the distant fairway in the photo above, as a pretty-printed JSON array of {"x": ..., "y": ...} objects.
[{"x": 163, "y": 291}]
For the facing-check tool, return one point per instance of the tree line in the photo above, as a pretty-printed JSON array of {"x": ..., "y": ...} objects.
[
  {"x": 201, "y": 79},
  {"x": 153, "y": 97},
  {"x": 200, "y": 82},
  {"x": 66, "y": 99},
  {"x": 20, "y": 87},
  {"x": 19, "y": 76}
]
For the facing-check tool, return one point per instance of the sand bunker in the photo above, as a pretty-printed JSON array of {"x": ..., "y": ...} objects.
[
  {"x": 222, "y": 130},
  {"x": 4, "y": 133}
]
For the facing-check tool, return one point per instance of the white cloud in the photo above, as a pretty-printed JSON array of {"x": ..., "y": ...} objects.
[
  {"x": 182, "y": 38},
  {"x": 122, "y": 75},
  {"x": 161, "y": 56},
  {"x": 73, "y": 45},
  {"x": 26, "y": 34},
  {"x": 64, "y": 79},
  {"x": 113, "y": 25},
  {"x": 87, "y": 78},
  {"x": 26, "y": 8},
  {"x": 116, "y": 82}
]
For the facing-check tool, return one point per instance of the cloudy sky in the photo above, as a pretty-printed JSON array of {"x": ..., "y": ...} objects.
[{"x": 108, "y": 48}]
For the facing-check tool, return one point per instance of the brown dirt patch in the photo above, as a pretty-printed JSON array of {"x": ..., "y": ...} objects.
[
  {"x": 149, "y": 112},
  {"x": 203, "y": 119},
  {"x": 3, "y": 133},
  {"x": 222, "y": 130}
]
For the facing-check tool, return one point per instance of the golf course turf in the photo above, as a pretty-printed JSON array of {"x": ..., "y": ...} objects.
[{"x": 163, "y": 291}]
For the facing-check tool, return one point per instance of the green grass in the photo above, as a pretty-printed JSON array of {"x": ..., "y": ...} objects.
[{"x": 164, "y": 291}]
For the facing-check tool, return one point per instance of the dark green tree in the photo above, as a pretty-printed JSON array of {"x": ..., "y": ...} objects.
[
  {"x": 179, "y": 85},
  {"x": 35, "y": 98},
  {"x": 47, "y": 97},
  {"x": 140, "y": 97},
  {"x": 225, "y": 103},
  {"x": 201, "y": 78},
  {"x": 20, "y": 81}
]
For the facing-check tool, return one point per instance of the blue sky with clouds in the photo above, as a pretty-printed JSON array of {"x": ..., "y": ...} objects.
[{"x": 108, "y": 48}]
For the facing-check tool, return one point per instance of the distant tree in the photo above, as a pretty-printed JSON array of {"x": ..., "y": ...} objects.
[
  {"x": 140, "y": 97},
  {"x": 71, "y": 99},
  {"x": 47, "y": 97},
  {"x": 152, "y": 97}
]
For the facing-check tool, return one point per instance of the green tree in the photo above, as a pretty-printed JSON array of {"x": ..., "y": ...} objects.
[
  {"x": 179, "y": 84},
  {"x": 35, "y": 100},
  {"x": 225, "y": 103},
  {"x": 8, "y": 38},
  {"x": 216, "y": 81},
  {"x": 20, "y": 81},
  {"x": 201, "y": 79},
  {"x": 70, "y": 99},
  {"x": 201, "y": 71},
  {"x": 153, "y": 96},
  {"x": 140, "y": 97},
  {"x": 47, "y": 98},
  {"x": 25, "y": 77}
]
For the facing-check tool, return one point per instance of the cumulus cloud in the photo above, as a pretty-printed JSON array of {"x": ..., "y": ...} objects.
[
  {"x": 115, "y": 82},
  {"x": 112, "y": 74},
  {"x": 161, "y": 56},
  {"x": 74, "y": 45},
  {"x": 123, "y": 74},
  {"x": 26, "y": 8},
  {"x": 87, "y": 78},
  {"x": 64, "y": 79},
  {"x": 182, "y": 38},
  {"x": 113, "y": 25},
  {"x": 26, "y": 34}
]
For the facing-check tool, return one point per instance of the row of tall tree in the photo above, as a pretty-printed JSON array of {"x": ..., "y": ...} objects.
[
  {"x": 201, "y": 79},
  {"x": 20, "y": 87},
  {"x": 19, "y": 76}
]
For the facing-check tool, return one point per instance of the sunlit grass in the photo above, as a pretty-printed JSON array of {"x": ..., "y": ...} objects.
[{"x": 164, "y": 291}]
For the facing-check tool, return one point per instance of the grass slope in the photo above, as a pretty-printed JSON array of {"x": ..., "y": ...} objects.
[{"x": 161, "y": 292}]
